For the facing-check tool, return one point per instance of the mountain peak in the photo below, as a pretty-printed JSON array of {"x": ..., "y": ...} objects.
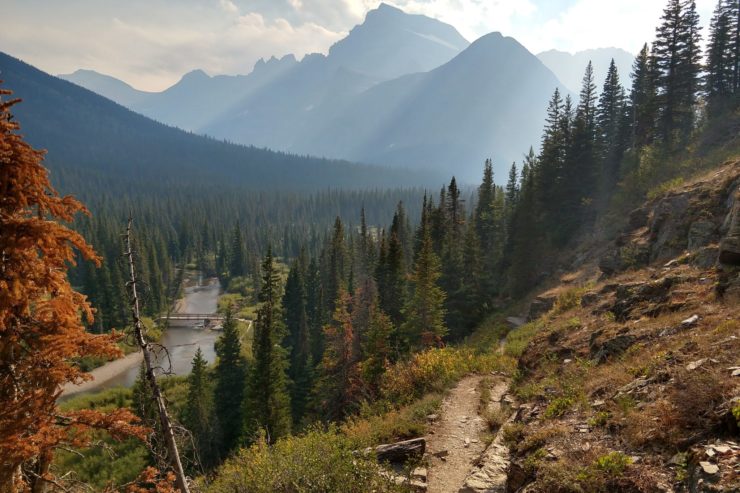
[
  {"x": 195, "y": 75},
  {"x": 390, "y": 43},
  {"x": 386, "y": 9}
]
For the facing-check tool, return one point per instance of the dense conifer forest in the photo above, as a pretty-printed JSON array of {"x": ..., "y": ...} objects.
[{"x": 379, "y": 279}]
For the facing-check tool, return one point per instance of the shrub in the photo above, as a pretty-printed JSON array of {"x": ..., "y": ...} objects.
[
  {"x": 568, "y": 299},
  {"x": 600, "y": 419},
  {"x": 435, "y": 370},
  {"x": 517, "y": 339},
  {"x": 613, "y": 464},
  {"x": 664, "y": 188},
  {"x": 397, "y": 424},
  {"x": 558, "y": 407},
  {"x": 316, "y": 461}
]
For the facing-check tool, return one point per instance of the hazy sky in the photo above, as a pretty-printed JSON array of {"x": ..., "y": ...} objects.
[{"x": 151, "y": 43}]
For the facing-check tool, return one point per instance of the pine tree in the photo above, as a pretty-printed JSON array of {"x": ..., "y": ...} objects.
[
  {"x": 580, "y": 171},
  {"x": 297, "y": 339},
  {"x": 525, "y": 244},
  {"x": 424, "y": 311},
  {"x": 337, "y": 389},
  {"x": 197, "y": 414},
  {"x": 337, "y": 269},
  {"x": 485, "y": 227},
  {"x": 268, "y": 401},
  {"x": 720, "y": 70},
  {"x": 643, "y": 99},
  {"x": 377, "y": 348},
  {"x": 392, "y": 277},
  {"x": 314, "y": 311},
  {"x": 512, "y": 199},
  {"x": 41, "y": 319},
  {"x": 230, "y": 377},
  {"x": 610, "y": 119},
  {"x": 237, "y": 255},
  {"x": 677, "y": 56}
]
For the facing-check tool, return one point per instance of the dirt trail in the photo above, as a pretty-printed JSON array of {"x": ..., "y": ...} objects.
[{"x": 458, "y": 432}]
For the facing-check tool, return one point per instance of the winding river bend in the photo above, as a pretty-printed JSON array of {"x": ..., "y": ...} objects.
[{"x": 201, "y": 296}]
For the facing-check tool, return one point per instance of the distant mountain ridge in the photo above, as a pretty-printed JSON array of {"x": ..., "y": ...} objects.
[
  {"x": 91, "y": 138},
  {"x": 400, "y": 89},
  {"x": 569, "y": 67}
]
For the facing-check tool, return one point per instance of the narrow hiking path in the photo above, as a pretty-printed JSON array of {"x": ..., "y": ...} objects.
[{"x": 455, "y": 443}]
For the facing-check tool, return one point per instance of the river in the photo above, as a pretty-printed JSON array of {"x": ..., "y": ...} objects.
[{"x": 182, "y": 341}]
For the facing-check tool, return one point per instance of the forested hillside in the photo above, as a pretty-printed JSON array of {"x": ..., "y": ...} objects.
[
  {"x": 626, "y": 213},
  {"x": 89, "y": 138}
]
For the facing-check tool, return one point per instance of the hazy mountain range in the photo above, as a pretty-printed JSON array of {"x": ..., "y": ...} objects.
[
  {"x": 401, "y": 90},
  {"x": 92, "y": 140}
]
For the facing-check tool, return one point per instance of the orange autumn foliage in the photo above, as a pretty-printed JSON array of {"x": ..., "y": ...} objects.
[{"x": 41, "y": 319}]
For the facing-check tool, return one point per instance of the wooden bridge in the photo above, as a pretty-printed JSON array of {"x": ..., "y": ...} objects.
[
  {"x": 207, "y": 319},
  {"x": 213, "y": 317}
]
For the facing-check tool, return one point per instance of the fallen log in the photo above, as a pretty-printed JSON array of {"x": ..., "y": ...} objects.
[{"x": 399, "y": 451}]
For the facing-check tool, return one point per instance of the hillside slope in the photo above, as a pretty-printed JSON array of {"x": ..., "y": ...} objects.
[{"x": 629, "y": 381}]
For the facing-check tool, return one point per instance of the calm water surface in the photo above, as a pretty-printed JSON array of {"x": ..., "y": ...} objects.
[{"x": 183, "y": 341}]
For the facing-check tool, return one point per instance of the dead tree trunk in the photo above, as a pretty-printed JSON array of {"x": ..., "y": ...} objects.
[{"x": 164, "y": 419}]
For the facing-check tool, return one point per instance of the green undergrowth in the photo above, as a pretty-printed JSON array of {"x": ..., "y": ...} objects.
[
  {"x": 112, "y": 462},
  {"x": 318, "y": 460}
]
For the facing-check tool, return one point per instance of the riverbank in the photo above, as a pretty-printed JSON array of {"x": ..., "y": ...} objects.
[
  {"x": 200, "y": 296},
  {"x": 103, "y": 374}
]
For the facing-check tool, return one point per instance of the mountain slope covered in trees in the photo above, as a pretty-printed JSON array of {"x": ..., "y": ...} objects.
[{"x": 89, "y": 135}]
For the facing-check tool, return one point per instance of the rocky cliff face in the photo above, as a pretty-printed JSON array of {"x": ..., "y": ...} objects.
[{"x": 697, "y": 224}]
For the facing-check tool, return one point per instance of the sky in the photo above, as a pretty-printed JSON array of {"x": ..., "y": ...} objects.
[{"x": 151, "y": 43}]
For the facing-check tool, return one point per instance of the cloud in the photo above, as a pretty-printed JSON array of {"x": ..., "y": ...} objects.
[
  {"x": 626, "y": 24},
  {"x": 473, "y": 18},
  {"x": 153, "y": 51}
]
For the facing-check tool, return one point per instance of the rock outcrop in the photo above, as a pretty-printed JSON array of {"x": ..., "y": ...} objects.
[{"x": 694, "y": 218}]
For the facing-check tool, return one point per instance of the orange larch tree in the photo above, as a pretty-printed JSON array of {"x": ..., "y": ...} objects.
[{"x": 41, "y": 319}]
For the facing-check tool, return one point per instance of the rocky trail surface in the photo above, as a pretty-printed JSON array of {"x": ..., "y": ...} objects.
[{"x": 455, "y": 444}]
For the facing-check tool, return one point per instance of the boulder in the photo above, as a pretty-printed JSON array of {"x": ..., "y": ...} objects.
[
  {"x": 729, "y": 247},
  {"x": 539, "y": 306},
  {"x": 668, "y": 227},
  {"x": 639, "y": 218},
  {"x": 729, "y": 250},
  {"x": 515, "y": 322},
  {"x": 611, "y": 347},
  {"x": 706, "y": 257},
  {"x": 701, "y": 233},
  {"x": 492, "y": 473}
]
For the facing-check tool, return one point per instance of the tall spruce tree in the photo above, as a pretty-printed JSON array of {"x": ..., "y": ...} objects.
[
  {"x": 338, "y": 385},
  {"x": 677, "y": 55},
  {"x": 485, "y": 227},
  {"x": 237, "y": 255},
  {"x": 297, "y": 341},
  {"x": 230, "y": 377},
  {"x": 643, "y": 99},
  {"x": 378, "y": 349},
  {"x": 610, "y": 120},
  {"x": 721, "y": 63},
  {"x": 268, "y": 402},
  {"x": 198, "y": 414},
  {"x": 424, "y": 311}
]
